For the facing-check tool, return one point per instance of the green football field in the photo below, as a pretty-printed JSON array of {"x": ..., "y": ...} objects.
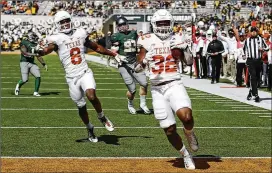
[{"x": 49, "y": 126}]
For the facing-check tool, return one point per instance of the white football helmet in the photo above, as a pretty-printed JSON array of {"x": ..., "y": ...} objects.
[
  {"x": 162, "y": 22},
  {"x": 200, "y": 24},
  {"x": 63, "y": 21}
]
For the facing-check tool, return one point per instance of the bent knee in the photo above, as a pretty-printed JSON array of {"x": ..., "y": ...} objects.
[{"x": 170, "y": 130}]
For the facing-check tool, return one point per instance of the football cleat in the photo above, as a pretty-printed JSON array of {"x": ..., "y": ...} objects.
[
  {"x": 107, "y": 123},
  {"x": 91, "y": 135},
  {"x": 36, "y": 94},
  {"x": 189, "y": 162},
  {"x": 257, "y": 98},
  {"x": 192, "y": 140},
  {"x": 249, "y": 96},
  {"x": 17, "y": 90},
  {"x": 145, "y": 109},
  {"x": 131, "y": 108}
]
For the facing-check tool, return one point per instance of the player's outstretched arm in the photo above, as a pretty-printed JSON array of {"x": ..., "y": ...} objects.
[
  {"x": 98, "y": 48},
  {"x": 46, "y": 50},
  {"x": 102, "y": 50}
]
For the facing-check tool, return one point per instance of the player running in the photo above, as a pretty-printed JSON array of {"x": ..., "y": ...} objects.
[
  {"x": 125, "y": 42},
  {"x": 168, "y": 93},
  {"x": 69, "y": 44},
  {"x": 27, "y": 64}
]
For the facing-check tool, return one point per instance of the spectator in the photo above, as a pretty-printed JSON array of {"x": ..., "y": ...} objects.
[{"x": 215, "y": 50}]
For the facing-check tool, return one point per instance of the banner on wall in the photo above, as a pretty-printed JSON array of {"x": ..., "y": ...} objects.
[{"x": 43, "y": 20}]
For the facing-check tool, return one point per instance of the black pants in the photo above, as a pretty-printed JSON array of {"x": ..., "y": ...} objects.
[
  {"x": 269, "y": 85},
  {"x": 216, "y": 66},
  {"x": 240, "y": 67},
  {"x": 204, "y": 66},
  {"x": 254, "y": 69}
]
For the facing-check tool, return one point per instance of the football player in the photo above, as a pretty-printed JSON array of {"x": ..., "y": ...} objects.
[
  {"x": 27, "y": 64},
  {"x": 70, "y": 44},
  {"x": 125, "y": 43},
  {"x": 168, "y": 93}
]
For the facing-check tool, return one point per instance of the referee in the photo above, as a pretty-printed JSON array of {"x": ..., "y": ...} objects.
[{"x": 253, "y": 48}]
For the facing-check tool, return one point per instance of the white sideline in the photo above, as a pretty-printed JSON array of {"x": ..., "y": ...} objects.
[
  {"x": 200, "y": 110},
  {"x": 134, "y": 127},
  {"x": 228, "y": 91},
  {"x": 116, "y": 158},
  {"x": 257, "y": 113}
]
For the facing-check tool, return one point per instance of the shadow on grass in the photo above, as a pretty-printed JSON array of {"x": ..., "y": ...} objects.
[
  {"x": 201, "y": 161},
  {"x": 140, "y": 111},
  {"x": 111, "y": 139},
  {"x": 49, "y": 93}
]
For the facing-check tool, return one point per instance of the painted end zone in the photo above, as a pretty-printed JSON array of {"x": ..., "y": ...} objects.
[{"x": 134, "y": 165}]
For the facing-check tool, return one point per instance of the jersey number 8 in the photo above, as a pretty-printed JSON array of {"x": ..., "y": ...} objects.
[{"x": 75, "y": 56}]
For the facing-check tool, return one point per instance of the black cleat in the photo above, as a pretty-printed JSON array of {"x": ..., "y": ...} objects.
[{"x": 249, "y": 96}]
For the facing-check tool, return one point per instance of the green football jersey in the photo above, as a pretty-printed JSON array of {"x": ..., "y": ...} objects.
[
  {"x": 29, "y": 45},
  {"x": 127, "y": 44}
]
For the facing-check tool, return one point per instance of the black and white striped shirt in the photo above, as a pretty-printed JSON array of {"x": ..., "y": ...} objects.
[{"x": 252, "y": 45}]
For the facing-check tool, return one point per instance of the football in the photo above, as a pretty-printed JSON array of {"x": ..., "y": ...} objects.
[{"x": 176, "y": 53}]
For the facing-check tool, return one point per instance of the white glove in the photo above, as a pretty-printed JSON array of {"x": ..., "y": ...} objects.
[
  {"x": 120, "y": 59},
  {"x": 138, "y": 68},
  {"x": 174, "y": 44},
  {"x": 149, "y": 56},
  {"x": 45, "y": 67}
]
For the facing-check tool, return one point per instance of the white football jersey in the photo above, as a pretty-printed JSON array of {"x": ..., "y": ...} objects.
[
  {"x": 71, "y": 51},
  {"x": 163, "y": 67}
]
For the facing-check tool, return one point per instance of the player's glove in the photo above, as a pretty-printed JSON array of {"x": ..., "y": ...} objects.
[
  {"x": 138, "y": 67},
  {"x": 120, "y": 59},
  {"x": 45, "y": 66},
  {"x": 37, "y": 50},
  {"x": 149, "y": 56}
]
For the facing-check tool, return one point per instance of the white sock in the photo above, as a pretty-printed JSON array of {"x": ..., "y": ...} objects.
[
  {"x": 89, "y": 126},
  {"x": 183, "y": 151},
  {"x": 143, "y": 100},
  {"x": 130, "y": 102},
  {"x": 100, "y": 115}
]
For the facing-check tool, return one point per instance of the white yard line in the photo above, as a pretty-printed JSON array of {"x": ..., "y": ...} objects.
[
  {"x": 116, "y": 158},
  {"x": 238, "y": 105},
  {"x": 258, "y": 113},
  {"x": 228, "y": 102},
  {"x": 214, "y": 100},
  {"x": 265, "y": 116},
  {"x": 135, "y": 127},
  {"x": 41, "y": 109}
]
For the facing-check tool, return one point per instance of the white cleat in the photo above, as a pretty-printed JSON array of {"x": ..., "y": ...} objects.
[
  {"x": 107, "y": 123},
  {"x": 145, "y": 109},
  {"x": 91, "y": 136},
  {"x": 192, "y": 140},
  {"x": 131, "y": 109},
  {"x": 189, "y": 162},
  {"x": 17, "y": 90},
  {"x": 36, "y": 94}
]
